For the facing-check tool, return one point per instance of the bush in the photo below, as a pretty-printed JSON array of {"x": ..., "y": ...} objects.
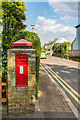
[
  {"x": 61, "y": 49},
  {"x": 13, "y": 24},
  {"x": 32, "y": 37}
]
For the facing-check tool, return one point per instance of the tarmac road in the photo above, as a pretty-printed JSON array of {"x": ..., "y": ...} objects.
[{"x": 68, "y": 71}]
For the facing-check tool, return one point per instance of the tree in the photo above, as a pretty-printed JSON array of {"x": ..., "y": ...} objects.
[
  {"x": 42, "y": 47},
  {"x": 61, "y": 49},
  {"x": 13, "y": 29},
  {"x": 13, "y": 17},
  {"x": 31, "y": 37},
  {"x": 0, "y": 13}
]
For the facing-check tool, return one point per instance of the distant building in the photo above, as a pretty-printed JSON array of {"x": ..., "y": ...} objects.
[
  {"x": 75, "y": 47},
  {"x": 61, "y": 40},
  {"x": 48, "y": 46},
  {"x": 76, "y": 42}
]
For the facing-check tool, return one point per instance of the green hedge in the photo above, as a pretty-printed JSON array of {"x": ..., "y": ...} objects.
[
  {"x": 13, "y": 30},
  {"x": 61, "y": 49},
  {"x": 32, "y": 37}
]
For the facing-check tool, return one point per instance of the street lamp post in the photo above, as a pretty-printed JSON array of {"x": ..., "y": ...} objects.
[{"x": 32, "y": 26}]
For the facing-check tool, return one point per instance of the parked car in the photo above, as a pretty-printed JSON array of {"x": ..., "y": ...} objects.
[{"x": 43, "y": 54}]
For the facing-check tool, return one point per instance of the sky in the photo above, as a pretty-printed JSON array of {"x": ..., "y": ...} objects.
[{"x": 52, "y": 19}]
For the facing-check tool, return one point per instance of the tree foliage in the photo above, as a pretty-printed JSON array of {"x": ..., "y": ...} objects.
[
  {"x": 13, "y": 16},
  {"x": 0, "y": 13},
  {"x": 42, "y": 47},
  {"x": 61, "y": 49},
  {"x": 32, "y": 37}
]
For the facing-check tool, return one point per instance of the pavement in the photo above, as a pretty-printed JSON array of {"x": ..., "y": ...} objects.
[
  {"x": 50, "y": 98},
  {"x": 69, "y": 72},
  {"x": 51, "y": 104}
]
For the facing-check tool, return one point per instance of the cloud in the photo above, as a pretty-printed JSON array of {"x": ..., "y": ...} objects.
[
  {"x": 66, "y": 9},
  {"x": 66, "y": 18},
  {"x": 63, "y": 1},
  {"x": 48, "y": 29},
  {"x": 50, "y": 0},
  {"x": 45, "y": 21}
]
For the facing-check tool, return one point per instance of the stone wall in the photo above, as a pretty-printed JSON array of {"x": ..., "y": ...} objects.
[{"x": 21, "y": 99}]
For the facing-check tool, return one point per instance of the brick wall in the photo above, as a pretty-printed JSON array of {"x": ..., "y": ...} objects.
[{"x": 21, "y": 99}]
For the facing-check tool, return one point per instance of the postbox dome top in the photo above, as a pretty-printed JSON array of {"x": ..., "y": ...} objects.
[{"x": 22, "y": 42}]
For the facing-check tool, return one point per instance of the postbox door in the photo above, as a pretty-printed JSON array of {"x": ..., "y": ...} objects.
[{"x": 21, "y": 70}]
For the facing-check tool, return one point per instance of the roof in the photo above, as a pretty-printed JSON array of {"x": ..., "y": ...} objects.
[
  {"x": 61, "y": 40},
  {"x": 49, "y": 43},
  {"x": 22, "y": 42},
  {"x": 46, "y": 43},
  {"x": 73, "y": 40},
  {"x": 57, "y": 40},
  {"x": 77, "y": 26}
]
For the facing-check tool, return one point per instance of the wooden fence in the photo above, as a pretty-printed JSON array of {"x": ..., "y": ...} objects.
[
  {"x": 6, "y": 85},
  {"x": 75, "y": 53}
]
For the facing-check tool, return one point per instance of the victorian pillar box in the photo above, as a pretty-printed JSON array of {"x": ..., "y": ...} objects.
[{"x": 21, "y": 77}]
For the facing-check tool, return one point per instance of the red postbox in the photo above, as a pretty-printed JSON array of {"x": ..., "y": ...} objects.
[
  {"x": 21, "y": 64},
  {"x": 21, "y": 70}
]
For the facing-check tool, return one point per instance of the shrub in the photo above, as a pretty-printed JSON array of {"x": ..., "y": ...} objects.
[
  {"x": 32, "y": 37},
  {"x": 61, "y": 49}
]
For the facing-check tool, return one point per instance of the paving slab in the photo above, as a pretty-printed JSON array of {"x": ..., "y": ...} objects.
[
  {"x": 51, "y": 100},
  {"x": 52, "y": 105}
]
